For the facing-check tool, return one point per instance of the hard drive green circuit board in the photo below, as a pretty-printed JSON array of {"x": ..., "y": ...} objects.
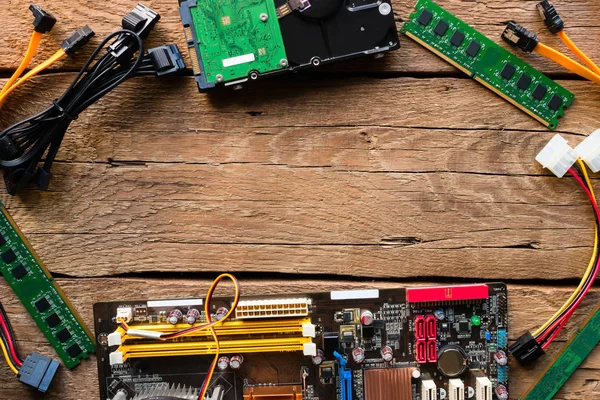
[
  {"x": 487, "y": 62},
  {"x": 237, "y": 37}
]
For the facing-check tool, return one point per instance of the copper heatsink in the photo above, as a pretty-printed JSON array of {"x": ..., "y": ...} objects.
[{"x": 388, "y": 384}]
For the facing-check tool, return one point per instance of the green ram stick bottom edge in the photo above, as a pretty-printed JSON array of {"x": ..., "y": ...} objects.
[
  {"x": 568, "y": 360},
  {"x": 487, "y": 62},
  {"x": 41, "y": 295}
]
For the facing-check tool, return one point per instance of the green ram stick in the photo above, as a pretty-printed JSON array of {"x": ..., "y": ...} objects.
[
  {"x": 487, "y": 62},
  {"x": 41, "y": 295},
  {"x": 568, "y": 360}
]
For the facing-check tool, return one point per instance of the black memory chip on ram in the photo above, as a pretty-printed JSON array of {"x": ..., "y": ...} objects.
[
  {"x": 425, "y": 18},
  {"x": 473, "y": 49},
  {"x": 508, "y": 71},
  {"x": 457, "y": 39},
  {"x": 523, "y": 82},
  {"x": 441, "y": 28}
]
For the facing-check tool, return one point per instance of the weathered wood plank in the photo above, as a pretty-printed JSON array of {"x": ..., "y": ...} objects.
[
  {"x": 488, "y": 16},
  {"x": 529, "y": 306}
]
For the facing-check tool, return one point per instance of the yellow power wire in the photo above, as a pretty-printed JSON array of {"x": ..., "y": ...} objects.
[
  {"x": 566, "y": 62},
  {"x": 10, "y": 364},
  {"x": 562, "y": 35},
  {"x": 590, "y": 265},
  {"x": 60, "y": 54},
  {"x": 31, "y": 49}
]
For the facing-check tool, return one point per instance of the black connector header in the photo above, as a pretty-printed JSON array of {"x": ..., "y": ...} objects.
[
  {"x": 77, "y": 40},
  {"x": 43, "y": 21},
  {"x": 526, "y": 349},
  {"x": 167, "y": 60},
  {"x": 520, "y": 37},
  {"x": 550, "y": 16}
]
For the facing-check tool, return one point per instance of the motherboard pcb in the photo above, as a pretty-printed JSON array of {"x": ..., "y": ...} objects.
[
  {"x": 423, "y": 343},
  {"x": 487, "y": 62},
  {"x": 41, "y": 295},
  {"x": 233, "y": 41}
]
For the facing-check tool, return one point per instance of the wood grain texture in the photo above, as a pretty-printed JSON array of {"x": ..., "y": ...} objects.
[{"x": 81, "y": 382}]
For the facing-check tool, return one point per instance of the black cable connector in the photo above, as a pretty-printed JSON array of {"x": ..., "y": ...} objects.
[
  {"x": 520, "y": 37},
  {"x": 550, "y": 16},
  {"x": 43, "y": 21},
  {"x": 38, "y": 371},
  {"x": 77, "y": 40},
  {"x": 166, "y": 60},
  {"x": 141, "y": 21},
  {"x": 526, "y": 349}
]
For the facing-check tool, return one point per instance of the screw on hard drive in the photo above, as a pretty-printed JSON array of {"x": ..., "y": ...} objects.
[{"x": 264, "y": 17}]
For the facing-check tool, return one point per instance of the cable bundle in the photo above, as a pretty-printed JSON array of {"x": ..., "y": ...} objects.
[
  {"x": 527, "y": 41},
  {"x": 25, "y": 144},
  {"x": 8, "y": 344}
]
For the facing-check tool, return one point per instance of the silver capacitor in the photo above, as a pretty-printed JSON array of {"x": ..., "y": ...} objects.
[
  {"x": 236, "y": 361},
  {"x": 502, "y": 392},
  {"x": 387, "y": 353},
  {"x": 174, "y": 316},
  {"x": 223, "y": 363},
  {"x": 192, "y": 316},
  {"x": 501, "y": 357},
  {"x": 221, "y": 312},
  {"x": 358, "y": 355},
  {"x": 318, "y": 359},
  {"x": 366, "y": 317}
]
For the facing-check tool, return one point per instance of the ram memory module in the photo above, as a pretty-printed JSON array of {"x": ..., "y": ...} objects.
[
  {"x": 41, "y": 295},
  {"x": 487, "y": 62},
  {"x": 568, "y": 360}
]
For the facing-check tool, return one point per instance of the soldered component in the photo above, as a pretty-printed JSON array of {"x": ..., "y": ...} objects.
[
  {"x": 378, "y": 384},
  {"x": 456, "y": 389},
  {"x": 174, "y": 316},
  {"x": 500, "y": 357},
  {"x": 223, "y": 363},
  {"x": 270, "y": 392},
  {"x": 319, "y": 358},
  {"x": 501, "y": 392},
  {"x": 387, "y": 353},
  {"x": 428, "y": 390},
  {"x": 366, "y": 317},
  {"x": 236, "y": 361},
  {"x": 452, "y": 360},
  {"x": 483, "y": 388},
  {"x": 358, "y": 355},
  {"x": 192, "y": 316}
]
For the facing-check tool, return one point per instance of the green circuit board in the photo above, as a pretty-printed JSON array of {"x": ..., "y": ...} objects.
[
  {"x": 568, "y": 360},
  {"x": 41, "y": 295},
  {"x": 487, "y": 62},
  {"x": 236, "y": 37}
]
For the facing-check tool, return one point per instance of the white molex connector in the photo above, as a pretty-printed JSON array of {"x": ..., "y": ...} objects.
[
  {"x": 483, "y": 388},
  {"x": 589, "y": 151},
  {"x": 115, "y": 339},
  {"x": 456, "y": 389},
  {"x": 428, "y": 390},
  {"x": 557, "y": 156},
  {"x": 309, "y": 330},
  {"x": 124, "y": 314}
]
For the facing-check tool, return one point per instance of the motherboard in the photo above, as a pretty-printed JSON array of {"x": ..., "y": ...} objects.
[{"x": 423, "y": 343}]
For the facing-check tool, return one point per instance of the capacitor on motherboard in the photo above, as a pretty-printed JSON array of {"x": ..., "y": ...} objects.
[
  {"x": 501, "y": 357},
  {"x": 440, "y": 314},
  {"x": 192, "y": 316},
  {"x": 318, "y": 359},
  {"x": 358, "y": 355},
  {"x": 366, "y": 317},
  {"x": 221, "y": 312},
  {"x": 174, "y": 316},
  {"x": 502, "y": 392},
  {"x": 236, "y": 361},
  {"x": 387, "y": 353},
  {"x": 223, "y": 363}
]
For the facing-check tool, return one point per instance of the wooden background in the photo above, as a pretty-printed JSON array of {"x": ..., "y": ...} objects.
[{"x": 373, "y": 173}]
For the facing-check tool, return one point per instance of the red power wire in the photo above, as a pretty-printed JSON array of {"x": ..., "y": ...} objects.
[{"x": 11, "y": 345}]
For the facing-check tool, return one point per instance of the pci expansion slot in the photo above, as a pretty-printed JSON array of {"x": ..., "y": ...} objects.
[
  {"x": 568, "y": 360},
  {"x": 41, "y": 295},
  {"x": 488, "y": 63}
]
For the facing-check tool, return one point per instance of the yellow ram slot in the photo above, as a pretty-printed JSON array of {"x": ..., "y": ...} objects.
[
  {"x": 205, "y": 348},
  {"x": 228, "y": 328}
]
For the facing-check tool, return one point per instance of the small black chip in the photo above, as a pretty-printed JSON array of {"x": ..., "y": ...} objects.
[
  {"x": 326, "y": 373},
  {"x": 74, "y": 350},
  {"x": 508, "y": 71},
  {"x": 425, "y": 18},
  {"x": 457, "y": 39},
  {"x": 523, "y": 82},
  {"x": 348, "y": 316},
  {"x": 555, "y": 103},
  {"x": 2, "y": 240},
  {"x": 19, "y": 271},
  {"x": 473, "y": 49},
  {"x": 42, "y": 304},
  {"x": 539, "y": 92},
  {"x": 441, "y": 28},
  {"x": 9, "y": 256},
  {"x": 53, "y": 320},
  {"x": 463, "y": 326},
  {"x": 63, "y": 335},
  {"x": 368, "y": 331}
]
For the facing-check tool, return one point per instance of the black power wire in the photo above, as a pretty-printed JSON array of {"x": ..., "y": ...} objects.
[{"x": 24, "y": 145}]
